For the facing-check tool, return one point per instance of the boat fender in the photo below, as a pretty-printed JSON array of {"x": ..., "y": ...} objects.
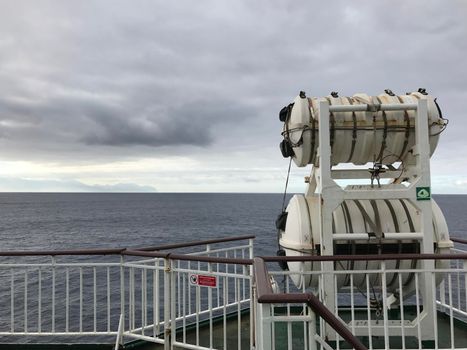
[
  {"x": 282, "y": 264},
  {"x": 285, "y": 112},
  {"x": 286, "y": 149},
  {"x": 281, "y": 221}
]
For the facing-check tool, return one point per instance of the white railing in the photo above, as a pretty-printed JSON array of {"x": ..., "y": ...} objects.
[
  {"x": 202, "y": 300},
  {"x": 198, "y": 293},
  {"x": 122, "y": 295},
  {"x": 370, "y": 309},
  {"x": 46, "y": 296}
]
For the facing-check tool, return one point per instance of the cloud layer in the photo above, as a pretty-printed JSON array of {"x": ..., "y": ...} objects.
[{"x": 101, "y": 82}]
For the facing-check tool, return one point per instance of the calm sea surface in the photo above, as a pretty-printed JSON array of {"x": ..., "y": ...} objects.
[{"x": 95, "y": 220}]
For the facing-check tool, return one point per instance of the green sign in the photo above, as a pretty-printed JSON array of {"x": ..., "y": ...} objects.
[{"x": 423, "y": 193}]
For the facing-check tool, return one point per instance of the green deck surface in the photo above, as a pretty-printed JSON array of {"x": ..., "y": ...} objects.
[{"x": 281, "y": 335}]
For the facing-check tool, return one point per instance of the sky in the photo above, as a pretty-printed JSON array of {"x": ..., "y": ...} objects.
[{"x": 183, "y": 96}]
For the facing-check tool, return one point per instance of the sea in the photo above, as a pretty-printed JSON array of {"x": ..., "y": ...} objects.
[{"x": 56, "y": 221}]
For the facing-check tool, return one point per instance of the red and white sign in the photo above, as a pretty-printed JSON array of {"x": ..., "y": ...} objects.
[{"x": 203, "y": 280}]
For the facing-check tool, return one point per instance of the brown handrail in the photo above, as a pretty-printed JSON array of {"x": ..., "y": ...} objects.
[
  {"x": 110, "y": 251},
  {"x": 119, "y": 251},
  {"x": 458, "y": 240},
  {"x": 265, "y": 295}
]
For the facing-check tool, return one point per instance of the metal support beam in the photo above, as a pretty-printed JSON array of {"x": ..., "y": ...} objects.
[{"x": 331, "y": 195}]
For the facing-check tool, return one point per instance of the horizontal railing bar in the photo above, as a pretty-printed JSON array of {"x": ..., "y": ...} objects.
[
  {"x": 450, "y": 307},
  {"x": 220, "y": 250},
  {"x": 239, "y": 276},
  {"x": 457, "y": 251},
  {"x": 151, "y": 260},
  {"x": 189, "y": 346},
  {"x": 118, "y": 251},
  {"x": 373, "y": 107},
  {"x": 362, "y": 257},
  {"x": 368, "y": 271},
  {"x": 367, "y": 236},
  {"x": 291, "y": 318},
  {"x": 213, "y": 259},
  {"x": 195, "y": 243},
  {"x": 186, "y": 257},
  {"x": 143, "y": 337},
  {"x": 112, "y": 251},
  {"x": 58, "y": 333},
  {"x": 362, "y": 174},
  {"x": 217, "y": 308},
  {"x": 192, "y": 271},
  {"x": 136, "y": 265},
  {"x": 14, "y": 265},
  {"x": 458, "y": 240}
]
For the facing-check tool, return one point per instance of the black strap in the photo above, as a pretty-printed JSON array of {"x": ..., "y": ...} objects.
[
  {"x": 385, "y": 134},
  {"x": 332, "y": 124},
  {"x": 407, "y": 129},
  {"x": 354, "y": 132},
  {"x": 313, "y": 135}
]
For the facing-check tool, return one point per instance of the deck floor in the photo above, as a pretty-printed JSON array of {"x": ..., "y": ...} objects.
[{"x": 281, "y": 336}]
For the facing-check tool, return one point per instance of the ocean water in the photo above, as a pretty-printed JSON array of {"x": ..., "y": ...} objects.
[
  {"x": 78, "y": 220},
  {"x": 33, "y": 221}
]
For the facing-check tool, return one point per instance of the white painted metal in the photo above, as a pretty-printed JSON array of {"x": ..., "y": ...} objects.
[
  {"x": 328, "y": 217},
  {"x": 120, "y": 330},
  {"x": 125, "y": 298},
  {"x": 301, "y": 236},
  {"x": 370, "y": 318},
  {"x": 364, "y": 128}
]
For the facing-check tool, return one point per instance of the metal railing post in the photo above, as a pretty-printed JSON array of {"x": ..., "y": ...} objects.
[
  {"x": 122, "y": 290},
  {"x": 263, "y": 327},
  {"x": 119, "y": 340},
  {"x": 167, "y": 304},
  {"x": 312, "y": 330}
]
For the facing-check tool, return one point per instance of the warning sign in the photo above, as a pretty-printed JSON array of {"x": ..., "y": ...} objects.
[
  {"x": 423, "y": 193},
  {"x": 203, "y": 280}
]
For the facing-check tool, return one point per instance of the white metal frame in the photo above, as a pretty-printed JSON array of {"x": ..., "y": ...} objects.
[
  {"x": 450, "y": 300},
  {"x": 126, "y": 299},
  {"x": 331, "y": 195}
]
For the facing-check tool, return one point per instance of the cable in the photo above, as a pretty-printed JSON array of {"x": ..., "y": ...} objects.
[
  {"x": 283, "y": 200},
  {"x": 445, "y": 125},
  {"x": 402, "y": 166},
  {"x": 286, "y": 185}
]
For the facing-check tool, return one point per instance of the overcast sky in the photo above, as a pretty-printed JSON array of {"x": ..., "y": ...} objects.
[{"x": 184, "y": 95}]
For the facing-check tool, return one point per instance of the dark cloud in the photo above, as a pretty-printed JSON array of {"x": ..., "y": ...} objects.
[{"x": 185, "y": 124}]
